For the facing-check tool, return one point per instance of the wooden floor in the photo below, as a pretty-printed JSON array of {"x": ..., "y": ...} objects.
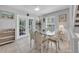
[{"x": 23, "y": 46}]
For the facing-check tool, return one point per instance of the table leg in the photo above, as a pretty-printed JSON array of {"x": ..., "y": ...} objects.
[
  {"x": 48, "y": 46},
  {"x": 51, "y": 46}
]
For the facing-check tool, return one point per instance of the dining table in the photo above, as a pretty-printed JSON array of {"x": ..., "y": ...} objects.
[{"x": 51, "y": 37}]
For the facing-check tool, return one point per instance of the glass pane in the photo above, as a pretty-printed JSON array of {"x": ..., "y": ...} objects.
[
  {"x": 22, "y": 27},
  {"x": 50, "y": 24}
]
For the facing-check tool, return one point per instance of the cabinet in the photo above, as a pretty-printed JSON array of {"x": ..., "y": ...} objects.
[{"x": 7, "y": 36}]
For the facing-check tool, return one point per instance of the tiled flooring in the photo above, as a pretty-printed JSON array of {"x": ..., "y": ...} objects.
[
  {"x": 19, "y": 46},
  {"x": 22, "y": 46}
]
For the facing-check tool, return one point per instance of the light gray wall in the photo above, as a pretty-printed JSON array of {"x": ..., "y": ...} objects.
[{"x": 7, "y": 24}]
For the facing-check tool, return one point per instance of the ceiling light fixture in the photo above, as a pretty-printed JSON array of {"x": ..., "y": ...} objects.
[{"x": 37, "y": 9}]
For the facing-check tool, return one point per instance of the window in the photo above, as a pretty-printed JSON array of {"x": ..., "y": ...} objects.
[
  {"x": 22, "y": 26},
  {"x": 50, "y": 24}
]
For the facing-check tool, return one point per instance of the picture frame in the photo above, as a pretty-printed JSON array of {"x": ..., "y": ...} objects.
[
  {"x": 63, "y": 18},
  {"x": 6, "y": 15}
]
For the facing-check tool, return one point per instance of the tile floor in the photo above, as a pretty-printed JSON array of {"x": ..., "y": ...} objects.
[
  {"x": 18, "y": 46},
  {"x": 22, "y": 46}
]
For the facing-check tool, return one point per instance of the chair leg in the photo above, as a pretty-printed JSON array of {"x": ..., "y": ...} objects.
[
  {"x": 56, "y": 47},
  {"x": 41, "y": 48}
]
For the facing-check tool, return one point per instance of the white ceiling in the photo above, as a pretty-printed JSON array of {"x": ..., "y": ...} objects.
[{"x": 24, "y": 9}]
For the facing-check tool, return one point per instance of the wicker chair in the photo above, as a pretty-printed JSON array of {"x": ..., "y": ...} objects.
[
  {"x": 40, "y": 41},
  {"x": 64, "y": 43}
]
